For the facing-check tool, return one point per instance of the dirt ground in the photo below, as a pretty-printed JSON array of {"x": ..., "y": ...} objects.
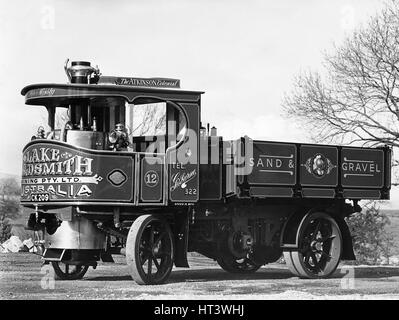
[{"x": 21, "y": 277}]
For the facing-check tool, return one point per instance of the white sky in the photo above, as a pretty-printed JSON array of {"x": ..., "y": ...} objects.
[{"x": 243, "y": 54}]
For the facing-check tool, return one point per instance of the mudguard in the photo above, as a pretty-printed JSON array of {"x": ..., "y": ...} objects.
[
  {"x": 181, "y": 229},
  {"x": 347, "y": 250}
]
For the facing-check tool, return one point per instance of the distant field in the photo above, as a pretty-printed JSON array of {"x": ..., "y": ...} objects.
[{"x": 393, "y": 228}]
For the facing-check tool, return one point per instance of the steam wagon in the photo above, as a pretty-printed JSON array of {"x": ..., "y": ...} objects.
[{"x": 125, "y": 166}]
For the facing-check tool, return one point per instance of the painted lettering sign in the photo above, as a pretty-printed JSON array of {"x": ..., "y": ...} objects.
[
  {"x": 41, "y": 92},
  {"x": 183, "y": 182},
  {"x": 141, "y": 82},
  {"x": 273, "y": 164},
  {"x": 56, "y": 172},
  {"x": 362, "y": 168}
]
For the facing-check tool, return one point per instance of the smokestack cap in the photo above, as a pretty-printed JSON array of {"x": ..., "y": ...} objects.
[{"x": 80, "y": 63}]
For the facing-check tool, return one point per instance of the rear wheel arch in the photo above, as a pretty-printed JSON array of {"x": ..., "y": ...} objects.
[
  {"x": 318, "y": 247},
  {"x": 289, "y": 233},
  {"x": 347, "y": 250}
]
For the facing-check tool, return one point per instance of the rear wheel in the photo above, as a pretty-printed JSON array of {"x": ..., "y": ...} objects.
[
  {"x": 65, "y": 271},
  {"x": 150, "y": 250},
  {"x": 320, "y": 247},
  {"x": 234, "y": 265}
]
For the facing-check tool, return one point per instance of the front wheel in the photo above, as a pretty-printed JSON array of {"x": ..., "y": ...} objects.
[
  {"x": 320, "y": 247},
  {"x": 65, "y": 271},
  {"x": 150, "y": 250}
]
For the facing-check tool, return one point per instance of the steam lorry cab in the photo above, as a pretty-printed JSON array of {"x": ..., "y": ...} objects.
[{"x": 125, "y": 166}]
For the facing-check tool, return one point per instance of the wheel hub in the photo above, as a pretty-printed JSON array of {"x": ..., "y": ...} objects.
[
  {"x": 316, "y": 246},
  {"x": 240, "y": 243},
  {"x": 155, "y": 251}
]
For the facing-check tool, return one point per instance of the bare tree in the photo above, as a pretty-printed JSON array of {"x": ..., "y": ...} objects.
[
  {"x": 148, "y": 119},
  {"x": 355, "y": 100}
]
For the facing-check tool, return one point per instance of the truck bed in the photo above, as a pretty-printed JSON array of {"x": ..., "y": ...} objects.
[{"x": 278, "y": 169}]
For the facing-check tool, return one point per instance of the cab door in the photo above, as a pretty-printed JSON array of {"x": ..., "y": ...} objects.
[
  {"x": 183, "y": 159},
  {"x": 151, "y": 176}
]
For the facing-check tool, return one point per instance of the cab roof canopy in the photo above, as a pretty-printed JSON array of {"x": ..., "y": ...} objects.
[{"x": 47, "y": 94}]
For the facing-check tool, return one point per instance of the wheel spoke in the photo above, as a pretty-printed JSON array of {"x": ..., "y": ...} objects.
[
  {"x": 250, "y": 262},
  {"x": 324, "y": 239},
  {"x": 160, "y": 237},
  {"x": 156, "y": 263},
  {"x": 307, "y": 257},
  {"x": 149, "y": 267},
  {"x": 66, "y": 268},
  {"x": 314, "y": 258},
  {"x": 234, "y": 265},
  {"x": 145, "y": 250},
  {"x": 325, "y": 255},
  {"x": 144, "y": 259},
  {"x": 304, "y": 250},
  {"x": 316, "y": 231},
  {"x": 162, "y": 254},
  {"x": 151, "y": 236},
  {"x": 316, "y": 263}
]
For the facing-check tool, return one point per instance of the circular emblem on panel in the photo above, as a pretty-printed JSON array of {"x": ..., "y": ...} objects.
[
  {"x": 151, "y": 178},
  {"x": 319, "y": 165}
]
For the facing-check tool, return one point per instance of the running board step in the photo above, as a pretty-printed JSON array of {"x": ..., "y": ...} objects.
[{"x": 53, "y": 254}]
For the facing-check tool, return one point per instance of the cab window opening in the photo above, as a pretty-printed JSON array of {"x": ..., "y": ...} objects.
[
  {"x": 156, "y": 126},
  {"x": 147, "y": 126},
  {"x": 112, "y": 123}
]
